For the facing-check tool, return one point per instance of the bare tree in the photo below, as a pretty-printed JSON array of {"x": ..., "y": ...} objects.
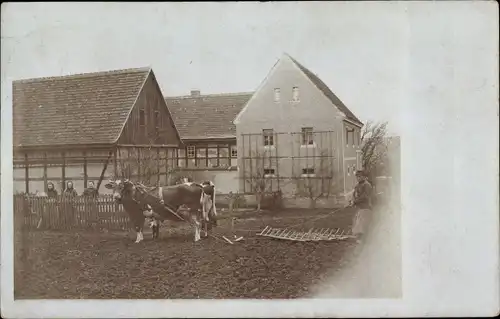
[
  {"x": 317, "y": 181},
  {"x": 139, "y": 164},
  {"x": 255, "y": 176},
  {"x": 374, "y": 147},
  {"x": 146, "y": 165}
]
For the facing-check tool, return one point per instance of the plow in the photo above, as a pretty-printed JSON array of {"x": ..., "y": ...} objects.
[{"x": 311, "y": 235}]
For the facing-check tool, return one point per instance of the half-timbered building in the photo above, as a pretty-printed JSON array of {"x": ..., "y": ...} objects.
[
  {"x": 90, "y": 127},
  {"x": 205, "y": 124}
]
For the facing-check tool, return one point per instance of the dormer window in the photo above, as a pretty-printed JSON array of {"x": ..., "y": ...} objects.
[
  {"x": 295, "y": 94},
  {"x": 277, "y": 95}
]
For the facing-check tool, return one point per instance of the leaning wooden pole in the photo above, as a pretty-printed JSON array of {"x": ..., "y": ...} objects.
[{"x": 104, "y": 171}]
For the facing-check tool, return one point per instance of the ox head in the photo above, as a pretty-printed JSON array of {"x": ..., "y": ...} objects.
[{"x": 121, "y": 189}]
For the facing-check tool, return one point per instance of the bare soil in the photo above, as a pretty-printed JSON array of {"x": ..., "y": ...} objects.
[{"x": 102, "y": 265}]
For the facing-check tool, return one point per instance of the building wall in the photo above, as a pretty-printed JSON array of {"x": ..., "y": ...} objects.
[
  {"x": 148, "y": 165},
  {"x": 225, "y": 181},
  {"x": 51, "y": 166},
  {"x": 312, "y": 110},
  {"x": 150, "y": 121},
  {"x": 210, "y": 160},
  {"x": 351, "y": 152},
  {"x": 201, "y": 154}
]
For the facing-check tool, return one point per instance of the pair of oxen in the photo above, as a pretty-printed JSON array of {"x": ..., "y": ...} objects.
[{"x": 163, "y": 204}]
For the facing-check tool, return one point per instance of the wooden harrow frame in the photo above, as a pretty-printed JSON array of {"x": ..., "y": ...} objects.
[{"x": 311, "y": 235}]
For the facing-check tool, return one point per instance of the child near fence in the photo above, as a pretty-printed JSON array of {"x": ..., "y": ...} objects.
[{"x": 153, "y": 223}]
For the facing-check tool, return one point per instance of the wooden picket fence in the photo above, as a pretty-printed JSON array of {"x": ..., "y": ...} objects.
[{"x": 64, "y": 213}]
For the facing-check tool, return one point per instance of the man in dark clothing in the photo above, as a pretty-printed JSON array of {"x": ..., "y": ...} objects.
[{"x": 362, "y": 201}]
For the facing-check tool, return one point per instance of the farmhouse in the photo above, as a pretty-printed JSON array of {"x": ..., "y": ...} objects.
[
  {"x": 205, "y": 124},
  {"x": 298, "y": 134},
  {"x": 89, "y": 127}
]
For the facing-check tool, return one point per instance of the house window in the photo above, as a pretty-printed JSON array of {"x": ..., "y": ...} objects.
[
  {"x": 308, "y": 171},
  {"x": 212, "y": 155},
  {"x": 142, "y": 117},
  {"x": 268, "y": 172},
  {"x": 191, "y": 150},
  {"x": 277, "y": 95},
  {"x": 307, "y": 136},
  {"x": 234, "y": 151},
  {"x": 295, "y": 94},
  {"x": 268, "y": 137}
]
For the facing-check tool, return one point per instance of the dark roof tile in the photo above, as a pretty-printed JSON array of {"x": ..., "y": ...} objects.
[
  {"x": 207, "y": 116},
  {"x": 89, "y": 108}
]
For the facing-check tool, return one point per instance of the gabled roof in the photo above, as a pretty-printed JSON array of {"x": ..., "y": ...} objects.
[
  {"x": 206, "y": 116},
  {"x": 90, "y": 108},
  {"x": 327, "y": 92}
]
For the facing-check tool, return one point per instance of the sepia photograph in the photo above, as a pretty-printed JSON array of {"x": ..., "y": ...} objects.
[{"x": 195, "y": 151}]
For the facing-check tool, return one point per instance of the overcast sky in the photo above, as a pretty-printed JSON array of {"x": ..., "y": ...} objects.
[
  {"x": 360, "y": 49},
  {"x": 430, "y": 68}
]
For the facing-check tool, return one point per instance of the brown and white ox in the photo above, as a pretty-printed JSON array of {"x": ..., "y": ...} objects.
[{"x": 198, "y": 198}]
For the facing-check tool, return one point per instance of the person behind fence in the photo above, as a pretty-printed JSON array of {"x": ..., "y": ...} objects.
[
  {"x": 69, "y": 206},
  {"x": 51, "y": 190},
  {"x": 90, "y": 191},
  {"x": 362, "y": 201},
  {"x": 70, "y": 190},
  {"x": 90, "y": 194}
]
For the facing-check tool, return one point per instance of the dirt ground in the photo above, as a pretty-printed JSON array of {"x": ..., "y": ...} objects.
[{"x": 110, "y": 265}]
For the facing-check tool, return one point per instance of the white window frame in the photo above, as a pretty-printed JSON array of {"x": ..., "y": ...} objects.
[
  {"x": 190, "y": 148},
  {"x": 269, "y": 175},
  {"x": 277, "y": 95},
  {"x": 268, "y": 133},
  {"x": 234, "y": 148},
  {"x": 295, "y": 94},
  {"x": 302, "y": 145},
  {"x": 308, "y": 174}
]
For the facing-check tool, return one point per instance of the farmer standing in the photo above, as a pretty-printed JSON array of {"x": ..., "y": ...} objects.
[{"x": 362, "y": 201}]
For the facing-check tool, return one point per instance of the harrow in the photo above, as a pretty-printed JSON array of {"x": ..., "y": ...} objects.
[{"x": 311, "y": 235}]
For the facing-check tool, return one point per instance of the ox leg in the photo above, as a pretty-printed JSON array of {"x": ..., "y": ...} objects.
[
  {"x": 205, "y": 228},
  {"x": 139, "y": 236},
  {"x": 197, "y": 230},
  {"x": 156, "y": 230}
]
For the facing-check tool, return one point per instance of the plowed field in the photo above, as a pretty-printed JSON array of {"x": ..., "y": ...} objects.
[{"x": 110, "y": 265}]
